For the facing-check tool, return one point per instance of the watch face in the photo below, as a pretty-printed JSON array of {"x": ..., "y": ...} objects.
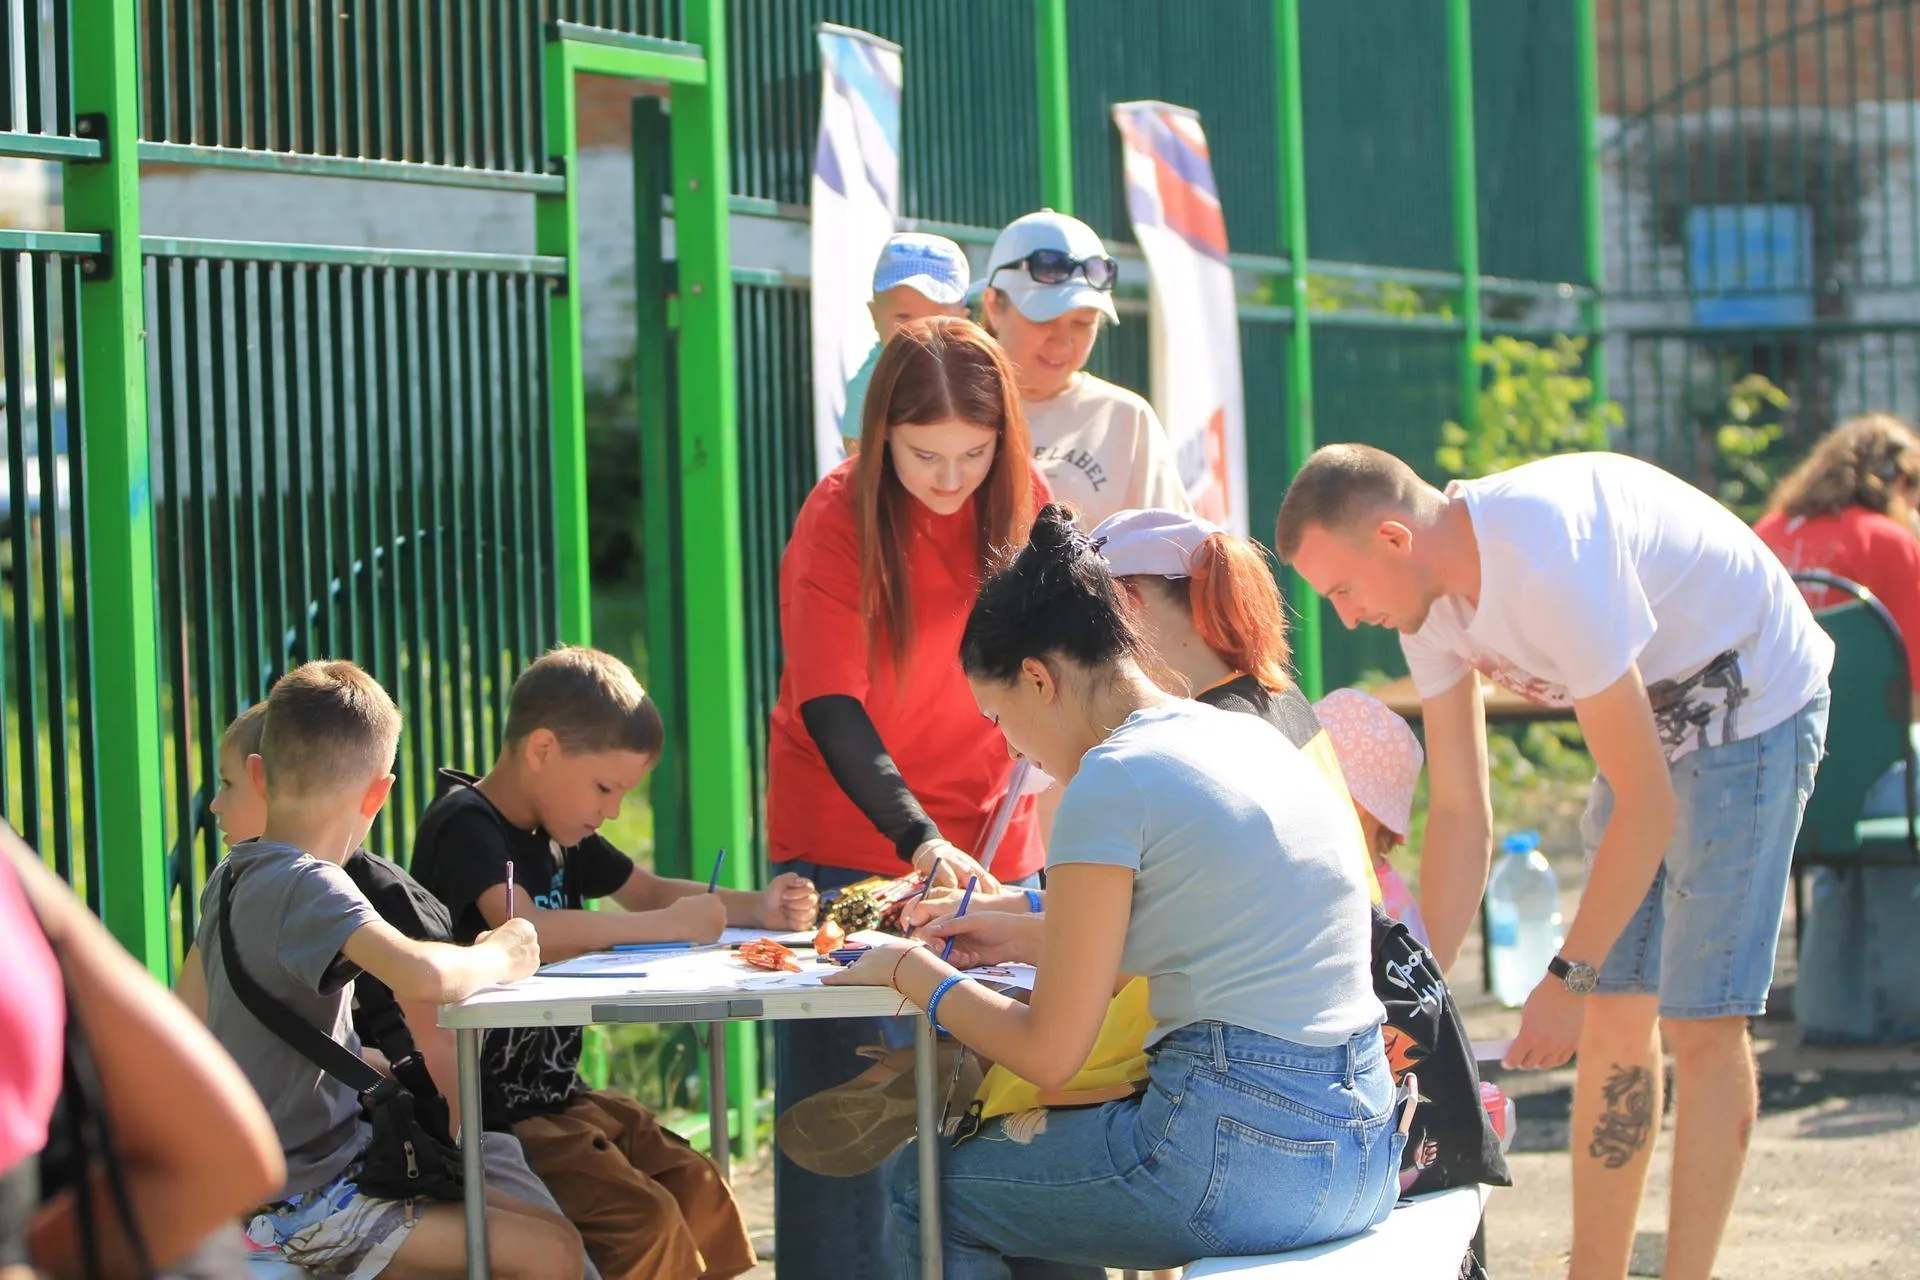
[{"x": 1581, "y": 979}]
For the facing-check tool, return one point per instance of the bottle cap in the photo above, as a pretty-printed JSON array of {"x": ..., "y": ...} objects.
[{"x": 1520, "y": 843}]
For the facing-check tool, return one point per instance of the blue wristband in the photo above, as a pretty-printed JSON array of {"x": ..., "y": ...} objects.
[
  {"x": 933, "y": 1001},
  {"x": 1035, "y": 903}
]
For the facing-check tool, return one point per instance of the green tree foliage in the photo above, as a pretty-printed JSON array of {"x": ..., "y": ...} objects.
[{"x": 1534, "y": 401}]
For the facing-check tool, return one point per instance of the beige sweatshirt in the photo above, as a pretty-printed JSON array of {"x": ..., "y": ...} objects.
[{"x": 1103, "y": 450}]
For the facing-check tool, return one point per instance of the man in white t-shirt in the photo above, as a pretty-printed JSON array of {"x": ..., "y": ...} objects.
[{"x": 1699, "y": 678}]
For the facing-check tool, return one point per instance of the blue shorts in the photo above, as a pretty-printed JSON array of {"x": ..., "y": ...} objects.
[{"x": 1703, "y": 939}]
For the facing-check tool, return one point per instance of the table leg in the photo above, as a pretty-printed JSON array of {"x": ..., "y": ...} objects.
[
  {"x": 718, "y": 1142},
  {"x": 471, "y": 1135},
  {"x": 926, "y": 1081}
]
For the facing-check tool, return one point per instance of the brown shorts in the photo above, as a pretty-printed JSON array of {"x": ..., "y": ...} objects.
[{"x": 648, "y": 1206}]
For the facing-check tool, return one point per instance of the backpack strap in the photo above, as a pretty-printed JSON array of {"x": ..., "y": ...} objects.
[
  {"x": 384, "y": 1026},
  {"x": 305, "y": 1039}
]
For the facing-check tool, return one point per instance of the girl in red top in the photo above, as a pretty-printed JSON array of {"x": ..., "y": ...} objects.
[
  {"x": 879, "y": 759},
  {"x": 1849, "y": 510}
]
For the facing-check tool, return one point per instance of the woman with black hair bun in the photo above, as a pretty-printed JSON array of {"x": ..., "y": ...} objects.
[{"x": 1200, "y": 850}]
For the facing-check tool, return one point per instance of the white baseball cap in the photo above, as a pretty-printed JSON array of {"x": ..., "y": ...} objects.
[
  {"x": 1142, "y": 543},
  {"x": 1043, "y": 302},
  {"x": 932, "y": 266}
]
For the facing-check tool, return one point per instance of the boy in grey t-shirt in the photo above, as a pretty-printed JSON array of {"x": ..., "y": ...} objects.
[{"x": 302, "y": 930}]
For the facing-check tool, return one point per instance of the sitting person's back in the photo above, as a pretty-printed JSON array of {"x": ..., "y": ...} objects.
[
  {"x": 1250, "y": 904},
  {"x": 403, "y": 1038},
  {"x": 301, "y": 931}
]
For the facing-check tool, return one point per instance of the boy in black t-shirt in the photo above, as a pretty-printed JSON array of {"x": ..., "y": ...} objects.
[{"x": 580, "y": 735}]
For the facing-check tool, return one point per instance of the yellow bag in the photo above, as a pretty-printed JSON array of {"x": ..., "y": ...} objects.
[
  {"x": 1119, "y": 1056},
  {"x": 1118, "y": 1059}
]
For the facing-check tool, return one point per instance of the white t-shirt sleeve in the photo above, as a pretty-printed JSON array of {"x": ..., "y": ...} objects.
[
  {"x": 1592, "y": 615},
  {"x": 1155, "y": 483},
  {"x": 1434, "y": 667}
]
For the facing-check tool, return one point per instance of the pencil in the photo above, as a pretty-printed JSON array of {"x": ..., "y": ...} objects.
[
  {"x": 927, "y": 888},
  {"x": 509, "y": 890},
  {"x": 965, "y": 898},
  {"x": 713, "y": 881}
]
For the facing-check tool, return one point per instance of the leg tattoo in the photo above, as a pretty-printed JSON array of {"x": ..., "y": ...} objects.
[{"x": 1627, "y": 1124}]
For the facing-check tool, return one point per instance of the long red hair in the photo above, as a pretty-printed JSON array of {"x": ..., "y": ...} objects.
[
  {"x": 1235, "y": 608},
  {"x": 939, "y": 369}
]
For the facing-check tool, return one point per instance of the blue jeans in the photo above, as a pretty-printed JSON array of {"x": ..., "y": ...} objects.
[
  {"x": 828, "y": 1228},
  {"x": 1703, "y": 939},
  {"x": 1242, "y": 1144}
]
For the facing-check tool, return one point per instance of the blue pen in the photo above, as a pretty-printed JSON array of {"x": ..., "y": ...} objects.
[
  {"x": 713, "y": 881},
  {"x": 965, "y": 898}
]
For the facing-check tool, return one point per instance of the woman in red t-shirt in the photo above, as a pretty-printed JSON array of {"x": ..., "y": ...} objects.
[
  {"x": 1849, "y": 510},
  {"x": 879, "y": 760}
]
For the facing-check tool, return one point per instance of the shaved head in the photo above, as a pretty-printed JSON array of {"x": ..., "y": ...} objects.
[{"x": 1344, "y": 489}]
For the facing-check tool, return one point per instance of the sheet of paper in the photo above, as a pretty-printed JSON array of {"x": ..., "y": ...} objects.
[
  {"x": 597, "y": 964},
  {"x": 1006, "y": 977},
  {"x": 810, "y": 976}
]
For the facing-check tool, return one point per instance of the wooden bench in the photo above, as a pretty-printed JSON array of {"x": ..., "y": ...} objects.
[{"x": 1422, "y": 1239}]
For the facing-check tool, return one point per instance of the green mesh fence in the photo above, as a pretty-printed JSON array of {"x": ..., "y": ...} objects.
[
  {"x": 1222, "y": 67},
  {"x": 1391, "y": 389},
  {"x": 969, "y": 120},
  {"x": 1374, "y": 86}
]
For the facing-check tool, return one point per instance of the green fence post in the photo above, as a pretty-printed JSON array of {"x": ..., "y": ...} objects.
[
  {"x": 714, "y": 617},
  {"x": 660, "y": 501},
  {"x": 557, "y": 232},
  {"x": 1299, "y": 409},
  {"x": 104, "y": 197},
  {"x": 1593, "y": 310},
  {"x": 1466, "y": 203},
  {"x": 1056, "y": 119}
]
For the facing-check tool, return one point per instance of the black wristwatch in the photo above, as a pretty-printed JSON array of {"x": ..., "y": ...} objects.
[{"x": 1578, "y": 978}]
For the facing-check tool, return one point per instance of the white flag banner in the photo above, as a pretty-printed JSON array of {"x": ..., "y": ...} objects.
[
  {"x": 856, "y": 203},
  {"x": 1194, "y": 326}
]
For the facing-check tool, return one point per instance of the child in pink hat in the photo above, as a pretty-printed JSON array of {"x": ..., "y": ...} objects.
[{"x": 1381, "y": 760}]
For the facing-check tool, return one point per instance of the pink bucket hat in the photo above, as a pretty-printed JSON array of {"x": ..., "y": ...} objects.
[{"x": 1378, "y": 753}]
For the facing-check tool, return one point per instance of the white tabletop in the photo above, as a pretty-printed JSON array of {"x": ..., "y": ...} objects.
[{"x": 709, "y": 984}]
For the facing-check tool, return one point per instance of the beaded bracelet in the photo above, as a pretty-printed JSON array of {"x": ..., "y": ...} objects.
[
  {"x": 1035, "y": 903},
  {"x": 933, "y": 1001}
]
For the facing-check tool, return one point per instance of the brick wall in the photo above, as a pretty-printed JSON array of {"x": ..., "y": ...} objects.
[{"x": 1762, "y": 53}]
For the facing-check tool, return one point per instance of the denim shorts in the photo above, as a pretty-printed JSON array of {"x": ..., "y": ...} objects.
[
  {"x": 336, "y": 1232},
  {"x": 1242, "y": 1144},
  {"x": 1703, "y": 939}
]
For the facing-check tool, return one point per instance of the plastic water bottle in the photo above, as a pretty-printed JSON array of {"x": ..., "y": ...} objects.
[{"x": 1523, "y": 917}]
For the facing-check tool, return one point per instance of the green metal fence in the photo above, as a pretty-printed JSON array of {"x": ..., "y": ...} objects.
[
  {"x": 279, "y": 451},
  {"x": 350, "y": 456},
  {"x": 295, "y": 450}
]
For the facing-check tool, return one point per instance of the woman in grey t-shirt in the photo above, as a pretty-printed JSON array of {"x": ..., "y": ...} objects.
[{"x": 1265, "y": 1123}]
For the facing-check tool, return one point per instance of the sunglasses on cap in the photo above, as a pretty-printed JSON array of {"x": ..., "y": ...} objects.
[{"x": 1057, "y": 266}]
